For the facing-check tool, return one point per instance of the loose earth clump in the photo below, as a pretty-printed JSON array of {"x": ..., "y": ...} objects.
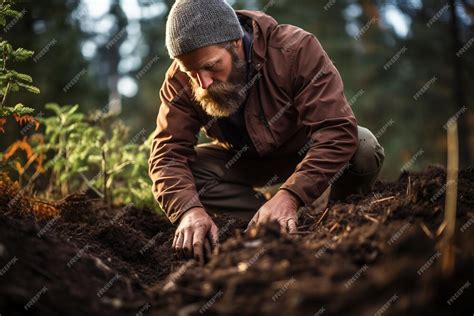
[{"x": 374, "y": 254}]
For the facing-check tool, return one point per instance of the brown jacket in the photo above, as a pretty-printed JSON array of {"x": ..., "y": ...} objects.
[{"x": 296, "y": 105}]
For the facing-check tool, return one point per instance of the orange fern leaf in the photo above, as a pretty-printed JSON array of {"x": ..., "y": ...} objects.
[
  {"x": 19, "y": 144},
  {"x": 2, "y": 122},
  {"x": 19, "y": 168},
  {"x": 44, "y": 210},
  {"x": 26, "y": 119},
  {"x": 40, "y": 157},
  {"x": 31, "y": 157}
]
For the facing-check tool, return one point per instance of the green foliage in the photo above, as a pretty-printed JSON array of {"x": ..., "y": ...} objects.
[
  {"x": 11, "y": 80},
  {"x": 7, "y": 11},
  {"x": 136, "y": 183},
  {"x": 19, "y": 109},
  {"x": 61, "y": 139},
  {"x": 96, "y": 155}
]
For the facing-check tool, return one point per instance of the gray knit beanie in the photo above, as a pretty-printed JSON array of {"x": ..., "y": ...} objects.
[{"x": 193, "y": 24}]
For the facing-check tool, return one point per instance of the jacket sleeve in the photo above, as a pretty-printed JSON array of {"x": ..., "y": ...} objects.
[
  {"x": 321, "y": 105},
  {"x": 172, "y": 150}
]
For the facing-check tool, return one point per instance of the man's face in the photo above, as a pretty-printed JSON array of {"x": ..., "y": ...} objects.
[{"x": 217, "y": 76}]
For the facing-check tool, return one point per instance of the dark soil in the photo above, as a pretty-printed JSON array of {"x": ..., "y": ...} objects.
[{"x": 366, "y": 255}]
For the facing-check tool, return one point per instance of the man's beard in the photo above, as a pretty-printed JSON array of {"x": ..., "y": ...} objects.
[{"x": 222, "y": 99}]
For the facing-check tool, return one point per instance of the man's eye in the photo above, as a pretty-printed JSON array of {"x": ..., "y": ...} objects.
[{"x": 210, "y": 68}]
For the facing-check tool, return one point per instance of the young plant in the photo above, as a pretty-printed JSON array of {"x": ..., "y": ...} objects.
[
  {"x": 69, "y": 141},
  {"x": 96, "y": 154},
  {"x": 11, "y": 80}
]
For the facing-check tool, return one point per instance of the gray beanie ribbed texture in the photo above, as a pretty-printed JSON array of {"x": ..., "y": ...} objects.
[{"x": 194, "y": 24}]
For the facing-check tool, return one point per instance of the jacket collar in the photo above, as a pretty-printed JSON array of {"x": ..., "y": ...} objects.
[{"x": 262, "y": 26}]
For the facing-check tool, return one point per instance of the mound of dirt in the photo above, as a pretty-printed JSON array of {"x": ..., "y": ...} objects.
[{"x": 375, "y": 254}]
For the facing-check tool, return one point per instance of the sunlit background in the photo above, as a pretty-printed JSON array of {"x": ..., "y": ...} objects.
[{"x": 407, "y": 65}]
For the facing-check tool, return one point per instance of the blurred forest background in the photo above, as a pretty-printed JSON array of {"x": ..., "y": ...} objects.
[{"x": 407, "y": 65}]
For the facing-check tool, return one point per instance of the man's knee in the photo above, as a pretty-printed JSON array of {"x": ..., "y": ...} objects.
[
  {"x": 364, "y": 168},
  {"x": 369, "y": 155}
]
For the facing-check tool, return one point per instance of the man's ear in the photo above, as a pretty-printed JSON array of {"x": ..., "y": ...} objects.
[{"x": 237, "y": 43}]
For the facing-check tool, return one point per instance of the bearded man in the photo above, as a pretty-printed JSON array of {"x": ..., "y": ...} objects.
[{"x": 271, "y": 100}]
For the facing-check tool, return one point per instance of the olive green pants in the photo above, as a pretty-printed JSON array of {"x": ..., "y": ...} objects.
[{"x": 227, "y": 183}]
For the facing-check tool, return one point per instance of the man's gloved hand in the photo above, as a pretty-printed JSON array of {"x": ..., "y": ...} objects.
[
  {"x": 196, "y": 235},
  {"x": 283, "y": 208}
]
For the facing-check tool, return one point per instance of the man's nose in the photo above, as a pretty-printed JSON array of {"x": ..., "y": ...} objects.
[{"x": 204, "y": 80}]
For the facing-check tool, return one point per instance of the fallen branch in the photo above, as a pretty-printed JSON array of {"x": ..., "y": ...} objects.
[
  {"x": 322, "y": 216},
  {"x": 371, "y": 218},
  {"x": 384, "y": 199},
  {"x": 427, "y": 231},
  {"x": 408, "y": 186}
]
